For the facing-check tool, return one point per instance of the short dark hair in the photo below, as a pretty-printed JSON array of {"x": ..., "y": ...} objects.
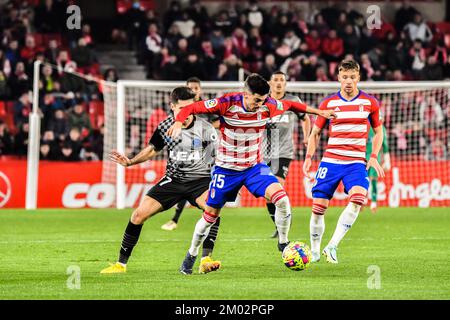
[
  {"x": 278, "y": 72},
  {"x": 348, "y": 65},
  {"x": 257, "y": 84},
  {"x": 193, "y": 79},
  {"x": 181, "y": 93}
]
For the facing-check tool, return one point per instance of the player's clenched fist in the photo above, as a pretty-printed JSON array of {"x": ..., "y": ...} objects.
[
  {"x": 119, "y": 158},
  {"x": 175, "y": 130}
]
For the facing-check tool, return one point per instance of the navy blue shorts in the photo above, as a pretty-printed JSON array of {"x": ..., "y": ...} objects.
[
  {"x": 329, "y": 175},
  {"x": 226, "y": 183}
]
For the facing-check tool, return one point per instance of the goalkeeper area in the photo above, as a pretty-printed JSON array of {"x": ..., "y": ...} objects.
[{"x": 397, "y": 253}]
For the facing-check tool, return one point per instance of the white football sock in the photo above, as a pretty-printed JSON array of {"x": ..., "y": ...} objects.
[
  {"x": 283, "y": 218},
  {"x": 316, "y": 230},
  {"x": 345, "y": 222},
  {"x": 201, "y": 231}
]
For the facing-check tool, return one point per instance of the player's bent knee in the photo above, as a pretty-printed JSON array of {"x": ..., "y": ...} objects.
[
  {"x": 319, "y": 209},
  {"x": 210, "y": 217},
  {"x": 358, "y": 198},
  {"x": 280, "y": 199},
  {"x": 139, "y": 216}
]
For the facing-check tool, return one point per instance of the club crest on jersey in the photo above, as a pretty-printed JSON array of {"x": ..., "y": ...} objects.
[
  {"x": 279, "y": 105},
  {"x": 196, "y": 143},
  {"x": 211, "y": 103}
]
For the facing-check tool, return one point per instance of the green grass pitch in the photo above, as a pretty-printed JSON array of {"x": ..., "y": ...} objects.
[{"x": 409, "y": 246}]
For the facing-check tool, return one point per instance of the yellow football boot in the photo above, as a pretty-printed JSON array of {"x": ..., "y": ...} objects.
[
  {"x": 207, "y": 264},
  {"x": 115, "y": 268}
]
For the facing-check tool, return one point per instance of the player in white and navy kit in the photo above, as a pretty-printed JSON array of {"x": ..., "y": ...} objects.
[
  {"x": 344, "y": 158},
  {"x": 239, "y": 162}
]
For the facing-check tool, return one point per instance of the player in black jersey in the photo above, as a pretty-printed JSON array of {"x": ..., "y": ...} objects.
[
  {"x": 188, "y": 174},
  {"x": 195, "y": 85}
]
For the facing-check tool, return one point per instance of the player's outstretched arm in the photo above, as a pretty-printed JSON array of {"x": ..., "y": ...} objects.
[
  {"x": 376, "y": 146},
  {"x": 146, "y": 154},
  {"x": 327, "y": 114},
  {"x": 301, "y": 107},
  {"x": 313, "y": 140}
]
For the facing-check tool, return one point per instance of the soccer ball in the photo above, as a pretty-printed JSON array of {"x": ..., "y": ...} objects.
[{"x": 296, "y": 256}]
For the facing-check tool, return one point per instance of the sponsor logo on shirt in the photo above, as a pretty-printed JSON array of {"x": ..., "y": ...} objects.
[
  {"x": 279, "y": 105},
  {"x": 211, "y": 103}
]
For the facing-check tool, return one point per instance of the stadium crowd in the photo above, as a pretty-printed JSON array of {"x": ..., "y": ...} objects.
[
  {"x": 186, "y": 42},
  {"x": 307, "y": 46},
  {"x": 38, "y": 32}
]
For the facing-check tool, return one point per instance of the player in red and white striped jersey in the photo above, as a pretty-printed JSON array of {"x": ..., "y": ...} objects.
[
  {"x": 239, "y": 160},
  {"x": 344, "y": 158}
]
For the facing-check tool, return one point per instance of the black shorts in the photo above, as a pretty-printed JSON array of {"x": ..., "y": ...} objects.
[
  {"x": 280, "y": 167},
  {"x": 169, "y": 191}
]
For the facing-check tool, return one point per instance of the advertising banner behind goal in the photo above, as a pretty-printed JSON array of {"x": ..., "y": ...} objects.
[{"x": 79, "y": 185}]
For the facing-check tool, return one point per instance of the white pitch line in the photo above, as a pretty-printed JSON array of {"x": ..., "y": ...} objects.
[{"x": 184, "y": 240}]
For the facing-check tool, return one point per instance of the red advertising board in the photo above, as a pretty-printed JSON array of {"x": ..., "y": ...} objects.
[{"x": 79, "y": 185}]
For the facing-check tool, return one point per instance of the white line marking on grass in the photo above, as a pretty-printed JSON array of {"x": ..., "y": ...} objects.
[{"x": 184, "y": 240}]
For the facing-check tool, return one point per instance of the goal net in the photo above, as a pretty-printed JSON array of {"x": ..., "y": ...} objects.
[{"x": 416, "y": 117}]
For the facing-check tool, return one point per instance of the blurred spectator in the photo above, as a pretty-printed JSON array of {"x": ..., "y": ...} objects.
[
  {"x": 5, "y": 65},
  {"x": 404, "y": 15},
  {"x": 67, "y": 153},
  {"x": 28, "y": 53},
  {"x": 417, "y": 57},
  {"x": 314, "y": 42},
  {"x": 351, "y": 40},
  {"x": 153, "y": 43},
  {"x": 45, "y": 151},
  {"x": 48, "y": 17},
  {"x": 291, "y": 40},
  {"x": 193, "y": 67},
  {"x": 83, "y": 56},
  {"x": 110, "y": 74},
  {"x": 418, "y": 29},
  {"x": 13, "y": 53},
  {"x": 172, "y": 37},
  {"x": 134, "y": 18},
  {"x": 21, "y": 139},
  {"x": 19, "y": 82},
  {"x": 4, "y": 87},
  {"x": 431, "y": 113},
  {"x": 185, "y": 24},
  {"x": 171, "y": 15},
  {"x": 58, "y": 124},
  {"x": 255, "y": 14},
  {"x": 47, "y": 79},
  {"x": 332, "y": 47},
  {"x": 6, "y": 140},
  {"x": 71, "y": 82},
  {"x": 22, "y": 109},
  {"x": 198, "y": 13},
  {"x": 209, "y": 58},
  {"x": 87, "y": 154},
  {"x": 432, "y": 70},
  {"x": 223, "y": 23},
  {"x": 52, "y": 52},
  {"x": 78, "y": 118},
  {"x": 269, "y": 67}
]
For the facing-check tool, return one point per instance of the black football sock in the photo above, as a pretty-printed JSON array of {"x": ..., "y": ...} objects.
[
  {"x": 271, "y": 207},
  {"x": 130, "y": 239},
  {"x": 179, "y": 210},
  {"x": 208, "y": 244}
]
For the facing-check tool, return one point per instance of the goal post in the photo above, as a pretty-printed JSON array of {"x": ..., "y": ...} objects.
[{"x": 414, "y": 115}]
